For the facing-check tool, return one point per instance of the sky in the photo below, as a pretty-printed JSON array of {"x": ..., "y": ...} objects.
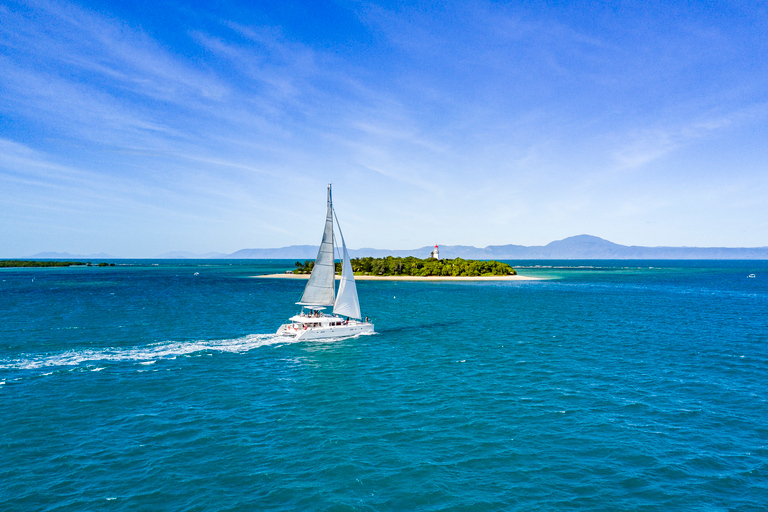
[{"x": 138, "y": 128}]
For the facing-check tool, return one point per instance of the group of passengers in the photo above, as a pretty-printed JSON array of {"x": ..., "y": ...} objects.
[{"x": 316, "y": 313}]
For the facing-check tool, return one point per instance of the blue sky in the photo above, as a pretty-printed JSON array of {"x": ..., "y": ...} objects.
[{"x": 136, "y": 130}]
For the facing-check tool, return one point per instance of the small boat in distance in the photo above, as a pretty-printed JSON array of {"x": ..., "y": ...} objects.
[
  {"x": 752, "y": 276},
  {"x": 311, "y": 323}
]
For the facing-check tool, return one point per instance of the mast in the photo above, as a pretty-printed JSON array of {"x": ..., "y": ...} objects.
[{"x": 320, "y": 287}]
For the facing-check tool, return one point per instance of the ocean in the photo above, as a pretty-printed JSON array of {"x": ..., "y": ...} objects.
[{"x": 609, "y": 385}]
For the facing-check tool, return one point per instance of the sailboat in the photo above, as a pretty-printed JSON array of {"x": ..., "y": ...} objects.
[{"x": 320, "y": 293}]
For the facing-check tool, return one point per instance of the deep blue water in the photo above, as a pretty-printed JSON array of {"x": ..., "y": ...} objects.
[{"x": 609, "y": 386}]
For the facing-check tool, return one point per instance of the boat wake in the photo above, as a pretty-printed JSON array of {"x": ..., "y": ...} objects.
[{"x": 164, "y": 350}]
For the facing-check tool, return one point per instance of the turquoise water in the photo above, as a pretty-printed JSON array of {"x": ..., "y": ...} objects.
[{"x": 609, "y": 386}]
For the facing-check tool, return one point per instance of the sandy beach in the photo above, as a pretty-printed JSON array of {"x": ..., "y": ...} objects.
[{"x": 409, "y": 278}]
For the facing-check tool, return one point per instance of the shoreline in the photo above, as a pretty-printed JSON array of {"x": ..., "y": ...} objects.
[{"x": 410, "y": 278}]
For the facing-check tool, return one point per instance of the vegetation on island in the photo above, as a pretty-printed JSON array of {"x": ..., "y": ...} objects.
[
  {"x": 30, "y": 263},
  {"x": 410, "y": 266}
]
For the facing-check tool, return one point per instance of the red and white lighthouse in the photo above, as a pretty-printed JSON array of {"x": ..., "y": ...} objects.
[{"x": 435, "y": 253}]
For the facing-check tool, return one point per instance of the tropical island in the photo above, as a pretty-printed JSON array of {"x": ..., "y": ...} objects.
[
  {"x": 34, "y": 264},
  {"x": 416, "y": 267}
]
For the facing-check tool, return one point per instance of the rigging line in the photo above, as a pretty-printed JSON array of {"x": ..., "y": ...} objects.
[
  {"x": 335, "y": 245},
  {"x": 337, "y": 222},
  {"x": 341, "y": 256}
]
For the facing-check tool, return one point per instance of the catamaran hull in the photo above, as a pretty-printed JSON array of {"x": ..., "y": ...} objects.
[{"x": 317, "y": 333}]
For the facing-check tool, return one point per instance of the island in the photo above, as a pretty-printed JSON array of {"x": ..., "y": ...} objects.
[
  {"x": 416, "y": 267},
  {"x": 35, "y": 264}
]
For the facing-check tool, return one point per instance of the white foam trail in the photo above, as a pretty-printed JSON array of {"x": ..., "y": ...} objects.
[{"x": 166, "y": 350}]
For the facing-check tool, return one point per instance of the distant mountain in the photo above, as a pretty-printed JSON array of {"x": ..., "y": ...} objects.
[
  {"x": 581, "y": 247},
  {"x": 66, "y": 255},
  {"x": 592, "y": 247},
  {"x": 294, "y": 251},
  {"x": 422, "y": 252}
]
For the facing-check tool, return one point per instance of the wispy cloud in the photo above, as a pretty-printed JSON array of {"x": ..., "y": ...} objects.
[
  {"x": 649, "y": 144},
  {"x": 461, "y": 116}
]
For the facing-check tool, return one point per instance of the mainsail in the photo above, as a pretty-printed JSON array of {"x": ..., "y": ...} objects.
[
  {"x": 320, "y": 287},
  {"x": 347, "y": 303}
]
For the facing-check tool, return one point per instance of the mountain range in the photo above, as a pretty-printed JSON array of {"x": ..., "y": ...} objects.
[
  {"x": 581, "y": 247},
  {"x": 68, "y": 256}
]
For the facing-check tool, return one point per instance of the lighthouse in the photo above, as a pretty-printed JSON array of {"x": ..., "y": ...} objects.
[{"x": 435, "y": 253}]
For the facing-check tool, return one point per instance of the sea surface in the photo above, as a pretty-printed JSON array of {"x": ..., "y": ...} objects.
[{"x": 609, "y": 385}]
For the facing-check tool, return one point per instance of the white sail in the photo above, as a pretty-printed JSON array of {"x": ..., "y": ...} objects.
[
  {"x": 347, "y": 303},
  {"x": 320, "y": 287}
]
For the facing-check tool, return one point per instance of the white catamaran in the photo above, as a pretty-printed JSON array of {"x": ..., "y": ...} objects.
[{"x": 311, "y": 323}]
